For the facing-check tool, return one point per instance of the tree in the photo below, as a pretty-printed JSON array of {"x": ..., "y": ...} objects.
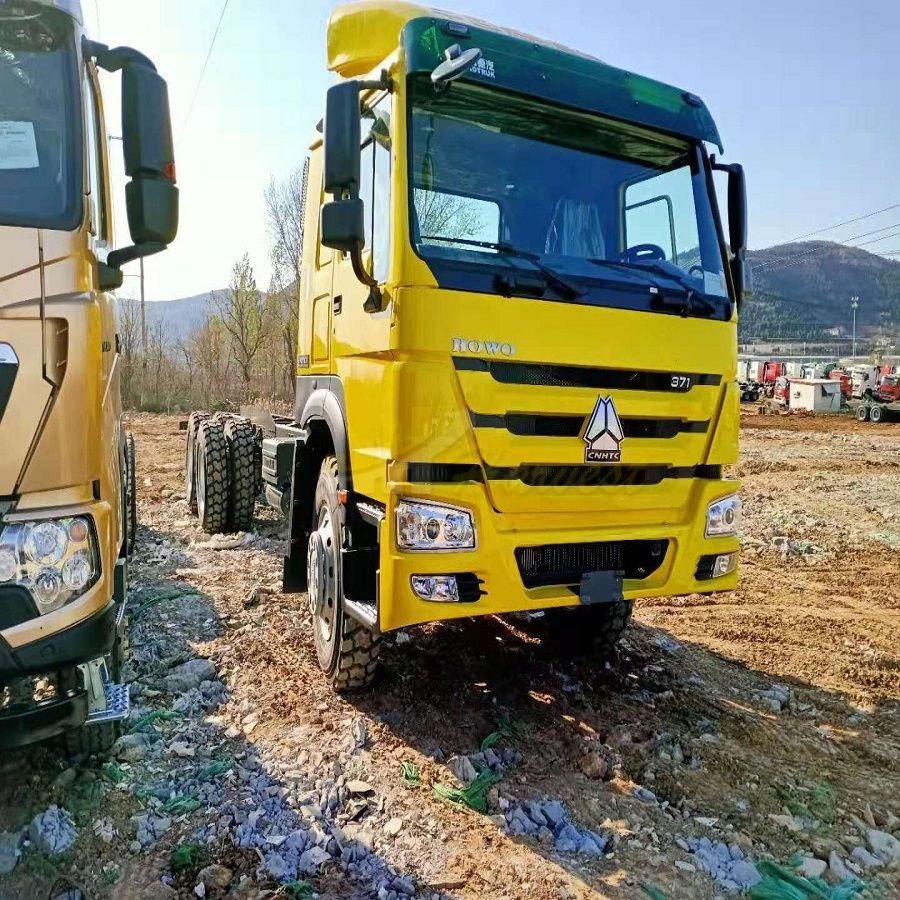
[
  {"x": 130, "y": 335},
  {"x": 446, "y": 215},
  {"x": 286, "y": 212},
  {"x": 241, "y": 310}
]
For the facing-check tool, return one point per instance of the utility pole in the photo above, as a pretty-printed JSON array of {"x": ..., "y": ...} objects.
[{"x": 854, "y": 304}]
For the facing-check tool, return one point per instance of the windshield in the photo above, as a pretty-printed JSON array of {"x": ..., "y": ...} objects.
[
  {"x": 499, "y": 180},
  {"x": 40, "y": 131}
]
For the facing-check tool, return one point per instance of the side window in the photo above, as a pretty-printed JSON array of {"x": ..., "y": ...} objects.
[
  {"x": 660, "y": 211},
  {"x": 96, "y": 182},
  {"x": 375, "y": 184}
]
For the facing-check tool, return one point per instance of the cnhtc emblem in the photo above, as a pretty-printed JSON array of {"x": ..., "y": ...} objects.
[{"x": 603, "y": 434}]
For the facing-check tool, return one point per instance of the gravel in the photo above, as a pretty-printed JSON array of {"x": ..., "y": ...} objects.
[
  {"x": 725, "y": 863},
  {"x": 549, "y": 823}
]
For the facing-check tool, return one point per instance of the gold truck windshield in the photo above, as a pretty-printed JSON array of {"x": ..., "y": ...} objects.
[
  {"x": 498, "y": 178},
  {"x": 40, "y": 123}
]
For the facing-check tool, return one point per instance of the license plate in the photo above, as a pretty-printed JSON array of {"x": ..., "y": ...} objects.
[{"x": 601, "y": 587}]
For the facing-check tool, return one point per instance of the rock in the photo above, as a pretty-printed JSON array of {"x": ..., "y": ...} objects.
[
  {"x": 787, "y": 821},
  {"x": 393, "y": 827},
  {"x": 594, "y": 765},
  {"x": 312, "y": 860},
  {"x": 64, "y": 780},
  {"x": 885, "y": 846},
  {"x": 545, "y": 836},
  {"x": 360, "y": 734},
  {"x": 836, "y": 866},
  {"x": 555, "y": 813},
  {"x": 359, "y": 787},
  {"x": 182, "y": 749},
  {"x": 132, "y": 747},
  {"x": 277, "y": 866},
  {"x": 9, "y": 851},
  {"x": 462, "y": 768},
  {"x": 216, "y": 877},
  {"x": 52, "y": 831},
  {"x": 685, "y": 866},
  {"x": 864, "y": 858},
  {"x": 200, "y": 889},
  {"x": 645, "y": 795},
  {"x": 811, "y": 867},
  {"x": 744, "y": 874},
  {"x": 189, "y": 675}
]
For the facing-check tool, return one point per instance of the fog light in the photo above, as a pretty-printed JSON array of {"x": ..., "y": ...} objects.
[
  {"x": 724, "y": 564},
  {"x": 438, "y": 588}
]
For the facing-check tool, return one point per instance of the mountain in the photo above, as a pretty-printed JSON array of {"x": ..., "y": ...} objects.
[
  {"x": 181, "y": 316},
  {"x": 801, "y": 290}
]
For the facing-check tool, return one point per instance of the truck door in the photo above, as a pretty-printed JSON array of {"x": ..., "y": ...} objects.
[{"x": 314, "y": 327}]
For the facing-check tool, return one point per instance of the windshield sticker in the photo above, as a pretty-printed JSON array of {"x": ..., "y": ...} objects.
[
  {"x": 484, "y": 67},
  {"x": 18, "y": 148},
  {"x": 429, "y": 41}
]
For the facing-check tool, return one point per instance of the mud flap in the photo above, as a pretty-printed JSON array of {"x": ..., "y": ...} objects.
[{"x": 601, "y": 587}]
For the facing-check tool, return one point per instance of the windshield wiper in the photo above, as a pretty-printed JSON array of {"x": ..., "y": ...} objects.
[
  {"x": 687, "y": 304},
  {"x": 504, "y": 249}
]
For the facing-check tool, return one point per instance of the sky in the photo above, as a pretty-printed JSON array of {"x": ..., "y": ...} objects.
[{"x": 805, "y": 94}]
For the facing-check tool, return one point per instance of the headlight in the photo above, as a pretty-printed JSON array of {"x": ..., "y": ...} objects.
[
  {"x": 723, "y": 516},
  {"x": 431, "y": 526},
  {"x": 55, "y": 560}
]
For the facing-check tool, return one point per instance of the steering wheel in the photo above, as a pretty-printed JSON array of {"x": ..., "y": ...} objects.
[
  {"x": 697, "y": 269},
  {"x": 643, "y": 253}
]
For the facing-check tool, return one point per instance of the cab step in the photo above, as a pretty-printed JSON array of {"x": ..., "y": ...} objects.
[{"x": 118, "y": 705}]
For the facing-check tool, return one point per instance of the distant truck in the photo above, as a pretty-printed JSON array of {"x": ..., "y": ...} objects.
[
  {"x": 864, "y": 380},
  {"x": 843, "y": 376}
]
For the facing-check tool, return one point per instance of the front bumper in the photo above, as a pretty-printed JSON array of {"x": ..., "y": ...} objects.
[{"x": 493, "y": 561}]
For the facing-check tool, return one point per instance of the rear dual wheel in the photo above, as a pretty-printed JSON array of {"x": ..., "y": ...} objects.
[
  {"x": 211, "y": 477},
  {"x": 876, "y": 414},
  {"x": 194, "y": 421},
  {"x": 862, "y": 412},
  {"x": 346, "y": 649},
  {"x": 241, "y": 440}
]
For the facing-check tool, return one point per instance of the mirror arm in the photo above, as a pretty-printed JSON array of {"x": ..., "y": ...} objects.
[
  {"x": 119, "y": 258},
  {"x": 112, "y": 60},
  {"x": 383, "y": 83},
  {"x": 373, "y": 302}
]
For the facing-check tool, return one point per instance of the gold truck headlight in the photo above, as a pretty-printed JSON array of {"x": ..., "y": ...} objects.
[
  {"x": 723, "y": 516},
  {"x": 422, "y": 525},
  {"x": 55, "y": 560}
]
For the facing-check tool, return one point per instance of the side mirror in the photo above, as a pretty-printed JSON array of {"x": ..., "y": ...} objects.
[
  {"x": 342, "y": 131},
  {"x": 151, "y": 196},
  {"x": 741, "y": 273},
  {"x": 342, "y": 226},
  {"x": 456, "y": 63}
]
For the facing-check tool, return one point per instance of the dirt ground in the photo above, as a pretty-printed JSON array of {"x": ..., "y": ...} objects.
[{"x": 767, "y": 718}]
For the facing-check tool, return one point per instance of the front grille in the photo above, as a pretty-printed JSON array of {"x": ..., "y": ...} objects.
[
  {"x": 598, "y": 476},
  {"x": 442, "y": 473},
  {"x": 540, "y": 375},
  {"x": 565, "y": 564},
  {"x": 537, "y": 425}
]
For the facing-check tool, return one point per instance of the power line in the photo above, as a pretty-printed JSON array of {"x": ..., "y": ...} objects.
[
  {"x": 788, "y": 261},
  {"x": 205, "y": 64},
  {"x": 840, "y": 224}
]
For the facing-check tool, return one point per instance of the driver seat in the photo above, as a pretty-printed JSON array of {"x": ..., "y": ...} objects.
[{"x": 575, "y": 230}]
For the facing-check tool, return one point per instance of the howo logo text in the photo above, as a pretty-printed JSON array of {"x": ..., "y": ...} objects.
[{"x": 491, "y": 348}]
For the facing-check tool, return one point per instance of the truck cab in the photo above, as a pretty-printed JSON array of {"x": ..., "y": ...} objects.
[
  {"x": 67, "y": 467},
  {"x": 515, "y": 387}
]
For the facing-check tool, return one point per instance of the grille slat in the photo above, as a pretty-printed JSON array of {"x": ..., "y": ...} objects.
[{"x": 565, "y": 564}]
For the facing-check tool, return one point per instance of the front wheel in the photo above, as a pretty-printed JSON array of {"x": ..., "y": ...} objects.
[{"x": 347, "y": 651}]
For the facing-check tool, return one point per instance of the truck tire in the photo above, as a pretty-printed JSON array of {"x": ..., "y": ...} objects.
[
  {"x": 240, "y": 437},
  {"x": 588, "y": 630},
  {"x": 130, "y": 494},
  {"x": 862, "y": 412},
  {"x": 347, "y": 651},
  {"x": 190, "y": 466},
  {"x": 876, "y": 414},
  {"x": 212, "y": 477}
]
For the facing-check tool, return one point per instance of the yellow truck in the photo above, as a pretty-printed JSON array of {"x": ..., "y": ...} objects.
[
  {"x": 517, "y": 328},
  {"x": 67, "y": 502}
]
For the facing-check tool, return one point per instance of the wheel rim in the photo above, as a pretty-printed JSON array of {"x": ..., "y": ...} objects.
[
  {"x": 322, "y": 577},
  {"x": 200, "y": 478}
]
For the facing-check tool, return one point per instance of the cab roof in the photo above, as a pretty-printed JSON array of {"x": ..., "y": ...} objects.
[{"x": 70, "y": 7}]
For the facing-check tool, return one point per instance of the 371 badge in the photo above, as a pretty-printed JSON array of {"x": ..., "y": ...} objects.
[{"x": 603, "y": 434}]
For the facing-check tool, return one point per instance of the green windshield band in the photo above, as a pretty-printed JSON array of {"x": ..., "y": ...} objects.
[{"x": 567, "y": 78}]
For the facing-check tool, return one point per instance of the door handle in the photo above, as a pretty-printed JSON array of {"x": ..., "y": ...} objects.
[{"x": 337, "y": 304}]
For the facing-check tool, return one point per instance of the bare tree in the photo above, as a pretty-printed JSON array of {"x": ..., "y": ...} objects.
[
  {"x": 129, "y": 335},
  {"x": 241, "y": 310},
  {"x": 446, "y": 215},
  {"x": 286, "y": 211}
]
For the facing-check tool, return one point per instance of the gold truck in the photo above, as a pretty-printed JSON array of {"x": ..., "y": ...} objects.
[
  {"x": 517, "y": 323},
  {"x": 67, "y": 503}
]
